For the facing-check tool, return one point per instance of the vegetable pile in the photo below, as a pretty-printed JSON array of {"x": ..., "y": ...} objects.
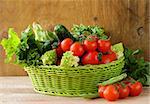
[
  {"x": 119, "y": 88},
  {"x": 84, "y": 45}
]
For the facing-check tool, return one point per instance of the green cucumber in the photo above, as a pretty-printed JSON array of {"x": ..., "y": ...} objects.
[
  {"x": 113, "y": 80},
  {"x": 62, "y": 32}
]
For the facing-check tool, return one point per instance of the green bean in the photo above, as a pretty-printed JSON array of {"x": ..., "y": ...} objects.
[{"x": 113, "y": 80}]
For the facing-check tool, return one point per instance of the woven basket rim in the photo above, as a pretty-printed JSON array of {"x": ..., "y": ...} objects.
[{"x": 80, "y": 66}]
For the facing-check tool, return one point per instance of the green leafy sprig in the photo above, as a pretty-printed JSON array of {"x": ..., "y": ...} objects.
[{"x": 137, "y": 68}]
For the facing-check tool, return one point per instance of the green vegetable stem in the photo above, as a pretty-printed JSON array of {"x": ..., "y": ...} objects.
[{"x": 113, "y": 80}]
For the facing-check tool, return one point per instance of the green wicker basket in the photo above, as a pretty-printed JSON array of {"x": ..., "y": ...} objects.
[{"x": 77, "y": 81}]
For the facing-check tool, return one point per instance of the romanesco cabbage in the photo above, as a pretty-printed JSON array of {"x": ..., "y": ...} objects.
[
  {"x": 49, "y": 57},
  {"x": 69, "y": 60}
]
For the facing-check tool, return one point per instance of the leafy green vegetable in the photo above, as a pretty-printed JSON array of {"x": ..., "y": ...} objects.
[
  {"x": 82, "y": 31},
  {"x": 25, "y": 35},
  {"x": 137, "y": 68},
  {"x": 11, "y": 44},
  {"x": 49, "y": 57},
  {"x": 34, "y": 43},
  {"x": 28, "y": 52},
  {"x": 33, "y": 57},
  {"x": 43, "y": 35},
  {"x": 68, "y": 60}
]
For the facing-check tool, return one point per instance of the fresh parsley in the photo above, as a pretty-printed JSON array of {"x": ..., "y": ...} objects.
[{"x": 137, "y": 68}]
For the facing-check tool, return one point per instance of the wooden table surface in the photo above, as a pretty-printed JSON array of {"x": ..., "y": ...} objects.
[{"x": 18, "y": 90}]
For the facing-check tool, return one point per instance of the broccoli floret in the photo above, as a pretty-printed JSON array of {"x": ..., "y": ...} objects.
[
  {"x": 49, "y": 57},
  {"x": 68, "y": 60}
]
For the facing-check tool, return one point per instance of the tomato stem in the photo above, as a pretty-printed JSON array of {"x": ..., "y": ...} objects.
[{"x": 99, "y": 56}]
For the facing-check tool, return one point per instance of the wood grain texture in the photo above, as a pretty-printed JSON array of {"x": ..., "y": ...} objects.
[
  {"x": 18, "y": 90},
  {"x": 127, "y": 20}
]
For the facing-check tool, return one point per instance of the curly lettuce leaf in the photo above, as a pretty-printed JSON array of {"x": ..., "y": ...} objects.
[
  {"x": 28, "y": 52},
  {"x": 25, "y": 36},
  {"x": 11, "y": 44}
]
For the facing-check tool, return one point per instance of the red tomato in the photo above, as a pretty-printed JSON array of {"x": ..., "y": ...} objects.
[
  {"x": 58, "y": 62},
  {"x": 59, "y": 51},
  {"x": 90, "y": 58},
  {"x": 90, "y": 45},
  {"x": 93, "y": 37},
  {"x": 111, "y": 93},
  {"x": 77, "y": 49},
  {"x": 113, "y": 55},
  {"x": 135, "y": 89},
  {"x": 104, "y": 45},
  {"x": 66, "y": 43},
  {"x": 108, "y": 58},
  {"x": 101, "y": 90},
  {"x": 123, "y": 91},
  {"x": 126, "y": 82}
]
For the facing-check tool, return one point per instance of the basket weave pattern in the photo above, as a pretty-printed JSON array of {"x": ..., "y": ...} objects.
[{"x": 78, "y": 81}]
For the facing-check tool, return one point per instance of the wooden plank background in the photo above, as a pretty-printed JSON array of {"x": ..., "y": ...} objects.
[{"x": 126, "y": 20}]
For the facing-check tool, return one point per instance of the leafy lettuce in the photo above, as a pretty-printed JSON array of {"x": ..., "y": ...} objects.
[
  {"x": 28, "y": 49},
  {"x": 11, "y": 44}
]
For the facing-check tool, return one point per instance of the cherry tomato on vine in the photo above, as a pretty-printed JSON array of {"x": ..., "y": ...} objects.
[
  {"x": 58, "y": 62},
  {"x": 108, "y": 58},
  {"x": 90, "y": 58},
  {"x": 66, "y": 43},
  {"x": 113, "y": 56},
  {"x": 135, "y": 89},
  {"x": 111, "y": 93},
  {"x": 126, "y": 82},
  {"x": 101, "y": 90},
  {"x": 104, "y": 45},
  {"x": 90, "y": 44},
  {"x": 77, "y": 49},
  {"x": 123, "y": 91},
  {"x": 59, "y": 51},
  {"x": 93, "y": 37}
]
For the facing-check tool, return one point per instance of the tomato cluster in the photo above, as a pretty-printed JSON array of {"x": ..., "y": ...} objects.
[
  {"x": 120, "y": 91},
  {"x": 91, "y": 51}
]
